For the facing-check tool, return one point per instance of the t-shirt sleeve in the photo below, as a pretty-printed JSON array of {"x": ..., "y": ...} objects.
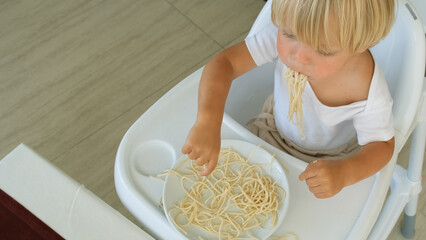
[
  {"x": 262, "y": 45},
  {"x": 375, "y": 123}
]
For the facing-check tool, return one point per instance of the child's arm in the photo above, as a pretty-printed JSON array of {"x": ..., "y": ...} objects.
[
  {"x": 325, "y": 178},
  {"x": 203, "y": 141}
]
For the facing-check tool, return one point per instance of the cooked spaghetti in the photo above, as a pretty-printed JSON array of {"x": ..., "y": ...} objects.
[
  {"x": 296, "y": 84},
  {"x": 235, "y": 198},
  {"x": 288, "y": 236}
]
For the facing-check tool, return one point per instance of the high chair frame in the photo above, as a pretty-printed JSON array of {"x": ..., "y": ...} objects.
[{"x": 154, "y": 141}]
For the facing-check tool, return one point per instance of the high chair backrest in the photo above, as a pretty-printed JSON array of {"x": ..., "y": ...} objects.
[{"x": 401, "y": 56}]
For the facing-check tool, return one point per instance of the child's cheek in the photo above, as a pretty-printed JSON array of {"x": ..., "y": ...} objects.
[
  {"x": 320, "y": 72},
  {"x": 282, "y": 48},
  {"x": 283, "y": 53},
  {"x": 324, "y": 71}
]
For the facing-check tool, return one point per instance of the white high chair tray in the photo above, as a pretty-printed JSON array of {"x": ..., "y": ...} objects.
[{"x": 154, "y": 141}]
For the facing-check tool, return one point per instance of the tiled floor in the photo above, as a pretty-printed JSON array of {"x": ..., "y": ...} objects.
[{"x": 74, "y": 75}]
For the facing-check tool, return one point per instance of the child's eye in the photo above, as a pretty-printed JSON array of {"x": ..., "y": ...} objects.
[
  {"x": 326, "y": 54},
  {"x": 288, "y": 35}
]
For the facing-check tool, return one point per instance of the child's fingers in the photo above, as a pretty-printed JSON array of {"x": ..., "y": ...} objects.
[
  {"x": 316, "y": 190},
  {"x": 312, "y": 164},
  {"x": 322, "y": 195},
  {"x": 313, "y": 182},
  {"x": 209, "y": 168},
  {"x": 194, "y": 155},
  {"x": 201, "y": 161},
  {"x": 186, "y": 148},
  {"x": 309, "y": 171}
]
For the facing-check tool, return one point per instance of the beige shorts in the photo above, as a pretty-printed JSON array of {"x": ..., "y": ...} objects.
[{"x": 264, "y": 127}]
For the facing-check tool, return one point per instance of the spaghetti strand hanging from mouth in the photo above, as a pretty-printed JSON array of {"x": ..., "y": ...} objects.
[{"x": 296, "y": 83}]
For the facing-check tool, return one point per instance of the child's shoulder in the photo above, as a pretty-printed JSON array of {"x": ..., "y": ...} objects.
[
  {"x": 350, "y": 86},
  {"x": 371, "y": 84},
  {"x": 362, "y": 76}
]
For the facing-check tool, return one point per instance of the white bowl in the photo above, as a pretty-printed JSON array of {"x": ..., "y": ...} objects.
[{"x": 173, "y": 191}]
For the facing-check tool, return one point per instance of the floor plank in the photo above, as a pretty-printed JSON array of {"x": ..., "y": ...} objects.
[
  {"x": 222, "y": 20},
  {"x": 82, "y": 65}
]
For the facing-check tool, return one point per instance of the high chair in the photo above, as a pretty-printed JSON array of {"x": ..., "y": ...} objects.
[{"x": 359, "y": 211}]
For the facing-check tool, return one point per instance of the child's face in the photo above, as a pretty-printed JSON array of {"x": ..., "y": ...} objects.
[{"x": 304, "y": 59}]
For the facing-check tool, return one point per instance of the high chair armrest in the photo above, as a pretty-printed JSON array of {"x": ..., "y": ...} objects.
[{"x": 421, "y": 117}]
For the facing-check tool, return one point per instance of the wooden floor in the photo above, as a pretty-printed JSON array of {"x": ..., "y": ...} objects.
[{"x": 75, "y": 75}]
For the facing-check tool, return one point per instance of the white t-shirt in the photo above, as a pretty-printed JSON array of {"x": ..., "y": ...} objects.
[{"x": 325, "y": 127}]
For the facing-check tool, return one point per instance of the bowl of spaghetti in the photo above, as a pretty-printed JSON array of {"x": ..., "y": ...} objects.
[{"x": 246, "y": 196}]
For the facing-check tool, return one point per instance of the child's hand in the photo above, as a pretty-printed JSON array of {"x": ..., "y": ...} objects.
[
  {"x": 203, "y": 146},
  {"x": 324, "y": 178}
]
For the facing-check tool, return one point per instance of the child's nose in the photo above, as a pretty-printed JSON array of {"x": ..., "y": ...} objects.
[{"x": 302, "y": 54}]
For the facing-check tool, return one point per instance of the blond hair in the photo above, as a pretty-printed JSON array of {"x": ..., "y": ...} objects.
[{"x": 351, "y": 25}]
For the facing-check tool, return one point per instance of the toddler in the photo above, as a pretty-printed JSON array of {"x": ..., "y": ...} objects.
[{"x": 330, "y": 99}]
